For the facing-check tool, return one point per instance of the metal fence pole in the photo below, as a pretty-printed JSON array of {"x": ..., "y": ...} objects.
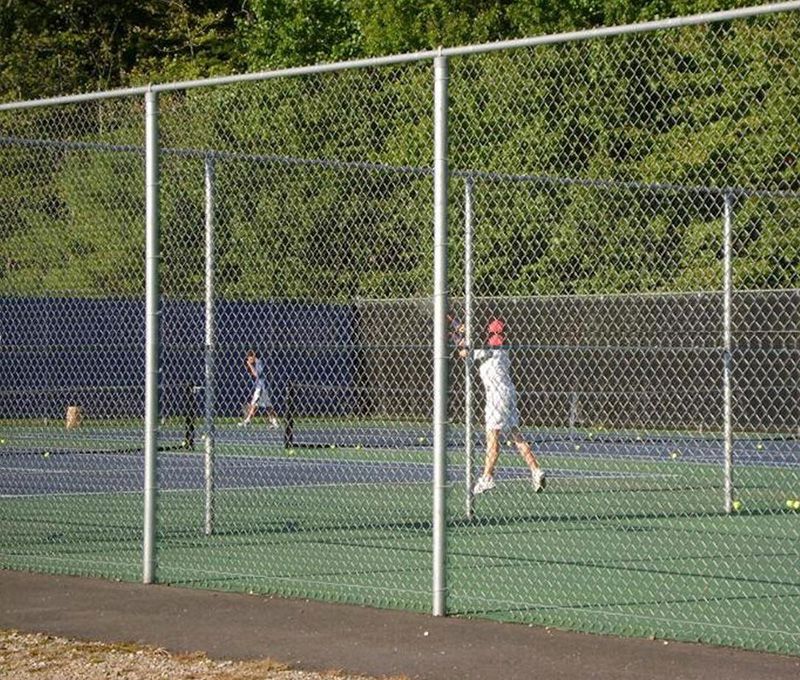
[
  {"x": 440, "y": 354},
  {"x": 469, "y": 212},
  {"x": 210, "y": 349},
  {"x": 152, "y": 312},
  {"x": 726, "y": 355}
]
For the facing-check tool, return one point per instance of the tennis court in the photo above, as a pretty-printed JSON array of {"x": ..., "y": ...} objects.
[
  {"x": 294, "y": 521},
  {"x": 334, "y": 247}
]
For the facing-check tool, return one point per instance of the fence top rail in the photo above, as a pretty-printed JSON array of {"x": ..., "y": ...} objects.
[{"x": 466, "y": 50}]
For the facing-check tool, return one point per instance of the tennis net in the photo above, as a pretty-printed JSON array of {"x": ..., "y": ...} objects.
[{"x": 581, "y": 423}]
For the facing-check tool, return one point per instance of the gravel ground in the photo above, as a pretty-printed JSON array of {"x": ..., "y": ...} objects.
[{"x": 25, "y": 656}]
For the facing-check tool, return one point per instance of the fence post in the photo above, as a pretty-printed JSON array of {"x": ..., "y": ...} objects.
[
  {"x": 440, "y": 354},
  {"x": 152, "y": 323},
  {"x": 726, "y": 353},
  {"x": 469, "y": 212},
  {"x": 211, "y": 346}
]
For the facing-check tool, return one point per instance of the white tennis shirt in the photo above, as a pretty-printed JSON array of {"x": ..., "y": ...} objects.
[{"x": 494, "y": 366}]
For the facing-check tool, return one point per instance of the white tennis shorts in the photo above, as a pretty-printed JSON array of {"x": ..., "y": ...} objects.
[
  {"x": 261, "y": 396},
  {"x": 501, "y": 408}
]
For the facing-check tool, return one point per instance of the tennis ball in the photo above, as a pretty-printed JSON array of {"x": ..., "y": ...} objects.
[
  {"x": 759, "y": 446},
  {"x": 790, "y": 504},
  {"x": 46, "y": 454},
  {"x": 675, "y": 455},
  {"x": 577, "y": 447},
  {"x": 737, "y": 505},
  {"x": 796, "y": 505},
  {"x": 421, "y": 440}
]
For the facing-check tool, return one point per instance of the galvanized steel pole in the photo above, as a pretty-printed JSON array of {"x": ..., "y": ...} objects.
[
  {"x": 440, "y": 353},
  {"x": 727, "y": 388},
  {"x": 152, "y": 331},
  {"x": 211, "y": 347},
  {"x": 469, "y": 193}
]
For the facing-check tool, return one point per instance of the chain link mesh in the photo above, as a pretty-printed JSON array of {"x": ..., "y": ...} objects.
[
  {"x": 625, "y": 208},
  {"x": 597, "y": 175},
  {"x": 72, "y": 357},
  {"x": 319, "y": 216}
]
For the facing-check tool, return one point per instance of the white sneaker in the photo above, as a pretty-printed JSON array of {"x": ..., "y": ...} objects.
[
  {"x": 273, "y": 424},
  {"x": 244, "y": 423},
  {"x": 484, "y": 483},
  {"x": 538, "y": 480}
]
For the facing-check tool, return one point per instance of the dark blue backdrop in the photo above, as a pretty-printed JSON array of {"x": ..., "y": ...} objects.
[{"x": 60, "y": 351}]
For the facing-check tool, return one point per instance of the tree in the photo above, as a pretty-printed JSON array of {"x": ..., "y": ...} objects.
[{"x": 53, "y": 47}]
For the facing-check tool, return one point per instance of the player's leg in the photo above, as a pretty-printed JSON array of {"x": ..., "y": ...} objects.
[
  {"x": 486, "y": 480},
  {"x": 537, "y": 474},
  {"x": 524, "y": 449},
  {"x": 269, "y": 410},
  {"x": 251, "y": 411},
  {"x": 492, "y": 452}
]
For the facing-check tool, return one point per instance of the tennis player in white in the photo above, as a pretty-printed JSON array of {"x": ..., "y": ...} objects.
[
  {"x": 502, "y": 414},
  {"x": 261, "y": 395}
]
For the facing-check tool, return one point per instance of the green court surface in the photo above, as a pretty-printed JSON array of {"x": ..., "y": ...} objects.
[{"x": 619, "y": 546}]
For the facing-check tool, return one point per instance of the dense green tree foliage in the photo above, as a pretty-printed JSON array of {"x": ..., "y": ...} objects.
[
  {"x": 53, "y": 47},
  {"x": 327, "y": 174}
]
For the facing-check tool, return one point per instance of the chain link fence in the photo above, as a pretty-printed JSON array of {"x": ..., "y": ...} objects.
[{"x": 623, "y": 215}]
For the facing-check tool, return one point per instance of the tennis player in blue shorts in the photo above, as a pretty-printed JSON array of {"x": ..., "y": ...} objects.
[
  {"x": 261, "y": 393},
  {"x": 502, "y": 414}
]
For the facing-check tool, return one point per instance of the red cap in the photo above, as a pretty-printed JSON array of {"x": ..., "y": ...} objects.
[{"x": 496, "y": 331}]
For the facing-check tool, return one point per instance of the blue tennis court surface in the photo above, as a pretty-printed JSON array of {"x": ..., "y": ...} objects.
[{"x": 63, "y": 471}]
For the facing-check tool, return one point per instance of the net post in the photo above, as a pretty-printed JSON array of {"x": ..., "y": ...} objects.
[
  {"x": 469, "y": 212},
  {"x": 573, "y": 415},
  {"x": 727, "y": 395},
  {"x": 188, "y": 417},
  {"x": 210, "y": 346},
  {"x": 152, "y": 333},
  {"x": 440, "y": 353},
  {"x": 288, "y": 432}
]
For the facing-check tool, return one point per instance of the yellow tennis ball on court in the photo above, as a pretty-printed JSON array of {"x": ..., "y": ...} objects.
[
  {"x": 759, "y": 446},
  {"x": 46, "y": 454},
  {"x": 674, "y": 455},
  {"x": 796, "y": 505},
  {"x": 790, "y": 503},
  {"x": 737, "y": 505}
]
